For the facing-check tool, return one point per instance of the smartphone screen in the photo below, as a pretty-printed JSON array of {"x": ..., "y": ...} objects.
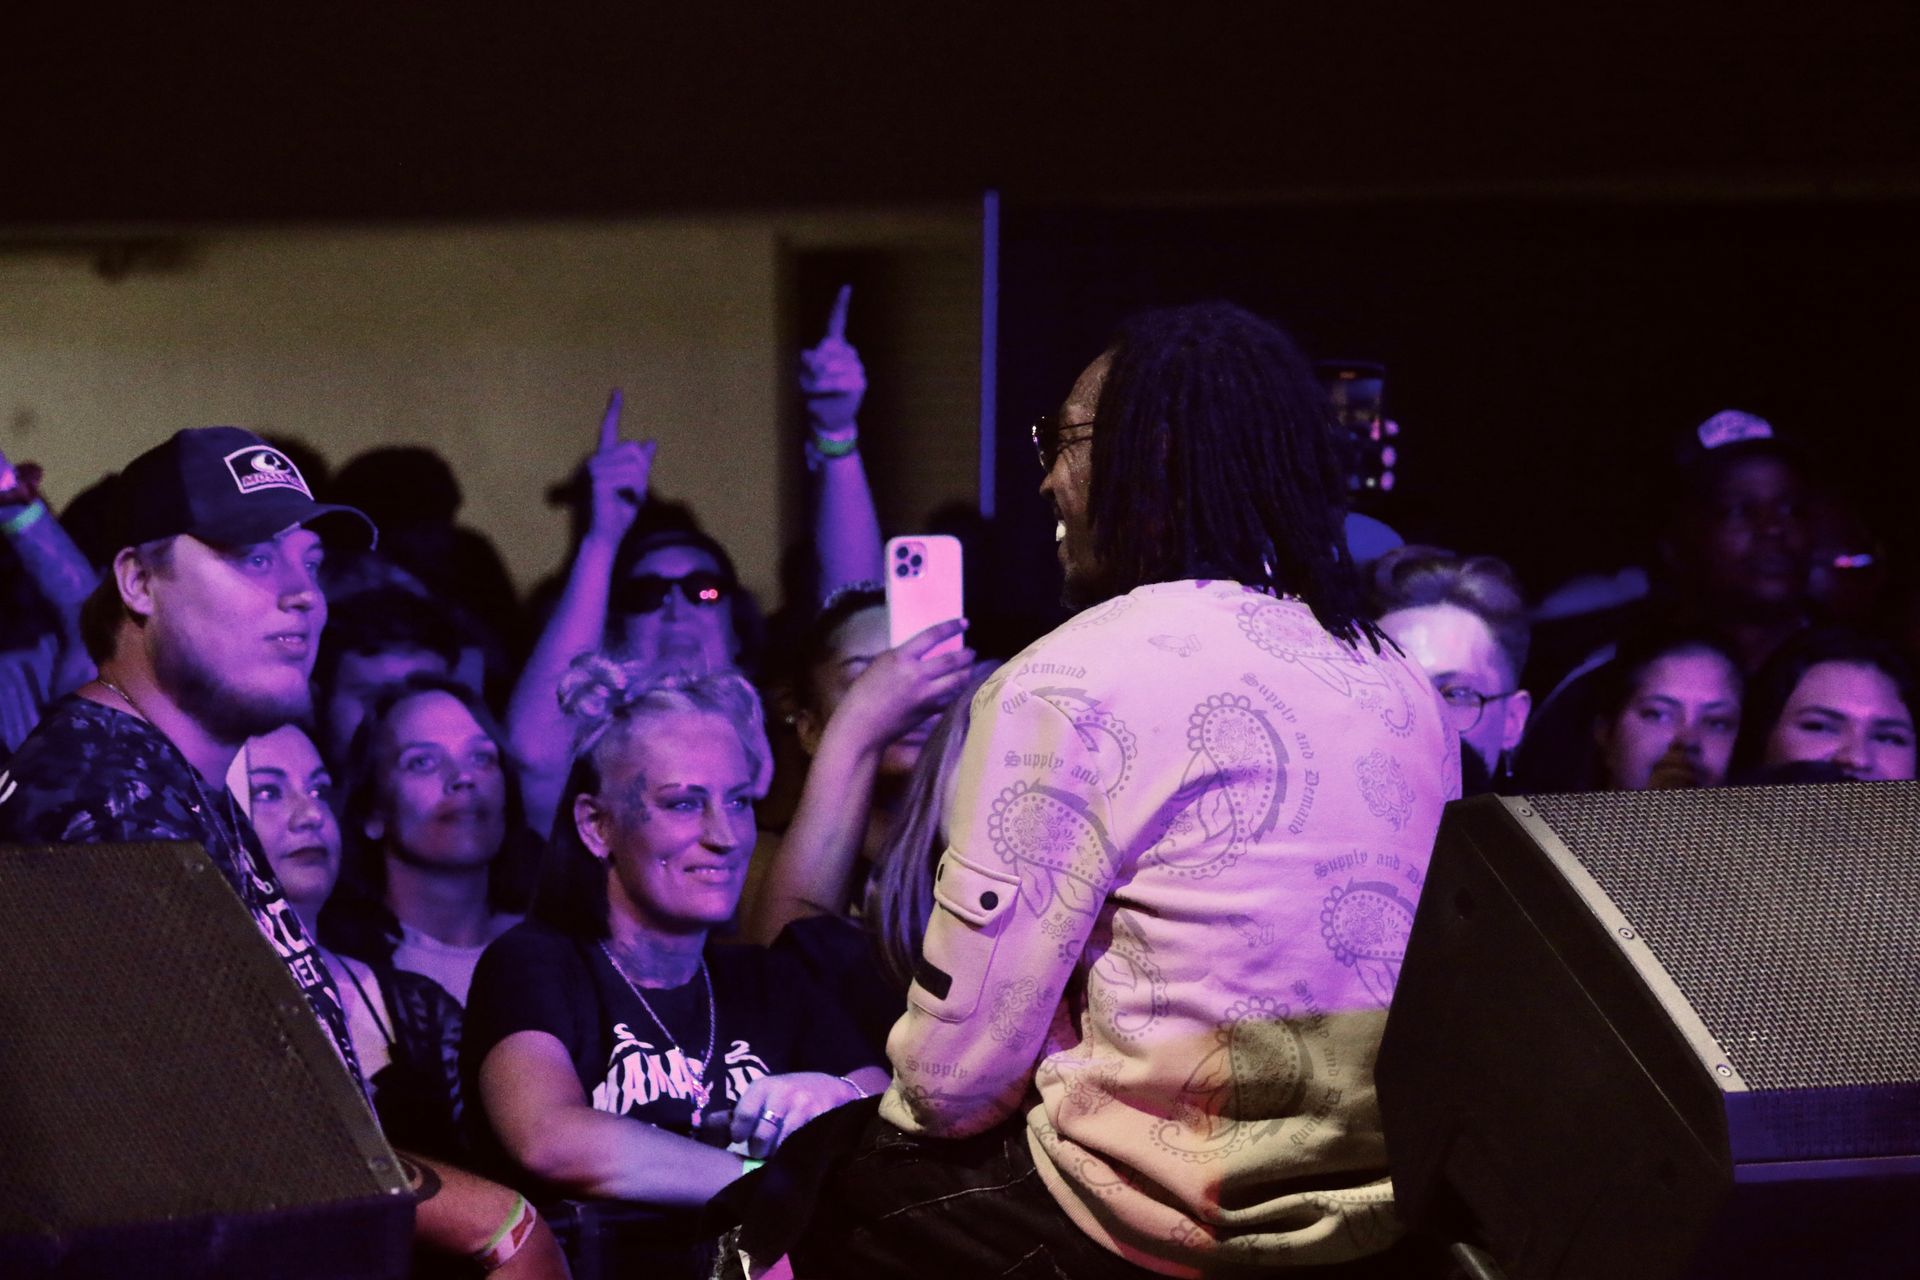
[{"x": 1357, "y": 390}]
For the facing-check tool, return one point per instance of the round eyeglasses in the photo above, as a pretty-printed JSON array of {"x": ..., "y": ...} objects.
[{"x": 1465, "y": 706}]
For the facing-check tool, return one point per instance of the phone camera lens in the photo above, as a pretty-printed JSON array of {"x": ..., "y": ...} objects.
[
  {"x": 901, "y": 553},
  {"x": 915, "y": 562},
  {"x": 901, "y": 571}
]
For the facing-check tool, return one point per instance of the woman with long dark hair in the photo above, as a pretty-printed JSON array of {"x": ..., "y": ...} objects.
[
  {"x": 862, "y": 710},
  {"x": 405, "y": 1029},
  {"x": 438, "y": 859},
  {"x": 1835, "y": 697}
]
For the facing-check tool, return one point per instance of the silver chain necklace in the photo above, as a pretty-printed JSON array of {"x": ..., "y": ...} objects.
[{"x": 702, "y": 1095}]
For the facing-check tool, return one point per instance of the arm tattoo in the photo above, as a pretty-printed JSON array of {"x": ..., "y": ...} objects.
[{"x": 421, "y": 1179}]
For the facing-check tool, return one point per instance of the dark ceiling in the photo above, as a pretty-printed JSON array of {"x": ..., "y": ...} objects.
[{"x": 155, "y": 117}]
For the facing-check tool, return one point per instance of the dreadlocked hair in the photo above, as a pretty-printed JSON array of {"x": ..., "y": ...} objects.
[{"x": 1217, "y": 456}]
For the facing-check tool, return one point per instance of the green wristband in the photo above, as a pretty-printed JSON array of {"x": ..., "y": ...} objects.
[
  {"x": 829, "y": 447},
  {"x": 506, "y": 1242},
  {"x": 24, "y": 519}
]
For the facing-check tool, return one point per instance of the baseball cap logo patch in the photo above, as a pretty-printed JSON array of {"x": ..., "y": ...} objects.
[
  {"x": 263, "y": 467},
  {"x": 1730, "y": 426}
]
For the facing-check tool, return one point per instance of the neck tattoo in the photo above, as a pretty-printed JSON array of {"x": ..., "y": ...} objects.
[{"x": 702, "y": 1094}]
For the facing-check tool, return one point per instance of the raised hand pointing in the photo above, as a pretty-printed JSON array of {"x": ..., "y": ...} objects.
[
  {"x": 832, "y": 379},
  {"x": 618, "y": 470}
]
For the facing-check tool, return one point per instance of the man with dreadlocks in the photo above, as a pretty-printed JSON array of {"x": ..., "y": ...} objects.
[{"x": 1186, "y": 839}]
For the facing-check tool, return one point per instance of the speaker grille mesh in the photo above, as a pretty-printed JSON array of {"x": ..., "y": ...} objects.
[
  {"x": 147, "y": 1069},
  {"x": 1736, "y": 891}
]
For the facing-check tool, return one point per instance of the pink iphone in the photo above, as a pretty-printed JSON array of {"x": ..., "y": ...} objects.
[{"x": 923, "y": 586}]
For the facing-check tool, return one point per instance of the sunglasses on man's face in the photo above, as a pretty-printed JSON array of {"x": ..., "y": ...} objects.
[
  {"x": 1050, "y": 436},
  {"x": 645, "y": 592}
]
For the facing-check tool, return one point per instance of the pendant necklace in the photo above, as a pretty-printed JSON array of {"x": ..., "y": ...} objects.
[{"x": 702, "y": 1094}]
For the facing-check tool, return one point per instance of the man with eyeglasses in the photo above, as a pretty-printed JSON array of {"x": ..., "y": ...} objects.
[
  {"x": 1463, "y": 619},
  {"x": 1182, "y": 853}
]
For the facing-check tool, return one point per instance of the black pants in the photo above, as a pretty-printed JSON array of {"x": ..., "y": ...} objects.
[{"x": 899, "y": 1205}]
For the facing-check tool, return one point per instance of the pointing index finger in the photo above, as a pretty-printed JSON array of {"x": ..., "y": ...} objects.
[
  {"x": 610, "y": 422},
  {"x": 837, "y": 318}
]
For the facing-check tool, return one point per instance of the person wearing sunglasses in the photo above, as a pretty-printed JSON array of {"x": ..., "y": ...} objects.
[
  {"x": 662, "y": 597},
  {"x": 671, "y": 602}
]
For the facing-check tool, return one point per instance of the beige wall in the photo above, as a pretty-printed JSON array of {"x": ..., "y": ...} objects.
[{"x": 496, "y": 345}]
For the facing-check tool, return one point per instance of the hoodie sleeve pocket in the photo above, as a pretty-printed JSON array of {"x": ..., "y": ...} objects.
[{"x": 971, "y": 905}]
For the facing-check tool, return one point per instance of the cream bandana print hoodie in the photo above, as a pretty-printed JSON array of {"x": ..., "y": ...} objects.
[{"x": 1185, "y": 844}]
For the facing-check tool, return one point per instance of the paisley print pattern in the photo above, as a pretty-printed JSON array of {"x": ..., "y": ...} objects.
[
  {"x": 1012, "y": 1001},
  {"x": 1366, "y": 924},
  {"x": 1101, "y": 614},
  {"x": 1383, "y": 786},
  {"x": 1104, "y": 735},
  {"x": 1128, "y": 988},
  {"x": 1089, "y": 1079},
  {"x": 1219, "y": 816},
  {"x": 1093, "y": 1173},
  {"x": 1256, "y": 1071},
  {"x": 1055, "y": 844},
  {"x": 1285, "y": 632},
  {"x": 1236, "y": 777},
  {"x": 1252, "y": 932}
]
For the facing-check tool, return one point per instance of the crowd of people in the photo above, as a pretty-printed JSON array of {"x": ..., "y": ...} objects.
[{"x": 1042, "y": 963}]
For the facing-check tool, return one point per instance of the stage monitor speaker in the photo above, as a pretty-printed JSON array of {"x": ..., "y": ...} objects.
[
  {"x": 169, "y": 1106},
  {"x": 1666, "y": 1034}
]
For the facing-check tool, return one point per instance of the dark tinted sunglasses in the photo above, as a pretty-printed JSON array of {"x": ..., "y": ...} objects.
[
  {"x": 1050, "y": 435},
  {"x": 645, "y": 592}
]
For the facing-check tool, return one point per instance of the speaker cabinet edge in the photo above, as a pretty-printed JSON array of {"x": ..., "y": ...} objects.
[{"x": 1633, "y": 946}]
